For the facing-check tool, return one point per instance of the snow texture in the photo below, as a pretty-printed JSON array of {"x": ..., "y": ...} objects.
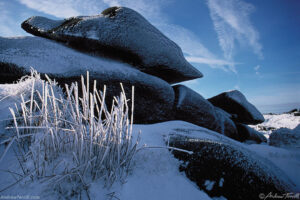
[
  {"x": 288, "y": 160},
  {"x": 47, "y": 56},
  {"x": 276, "y": 121},
  {"x": 10, "y": 95},
  {"x": 285, "y": 137},
  {"x": 209, "y": 184},
  {"x": 124, "y": 29},
  {"x": 155, "y": 172},
  {"x": 281, "y": 121},
  {"x": 44, "y": 24}
]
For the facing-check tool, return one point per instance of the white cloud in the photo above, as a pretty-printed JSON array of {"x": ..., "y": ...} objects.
[
  {"x": 215, "y": 63},
  {"x": 256, "y": 69},
  {"x": 192, "y": 47},
  {"x": 232, "y": 23},
  {"x": 237, "y": 87}
]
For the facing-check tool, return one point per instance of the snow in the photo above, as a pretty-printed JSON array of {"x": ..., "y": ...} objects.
[
  {"x": 221, "y": 182},
  {"x": 209, "y": 184},
  {"x": 276, "y": 121},
  {"x": 126, "y": 30},
  {"x": 44, "y": 24},
  {"x": 241, "y": 99},
  {"x": 155, "y": 173},
  {"x": 10, "y": 95},
  {"x": 285, "y": 137},
  {"x": 281, "y": 121},
  {"x": 288, "y": 160},
  {"x": 47, "y": 56}
]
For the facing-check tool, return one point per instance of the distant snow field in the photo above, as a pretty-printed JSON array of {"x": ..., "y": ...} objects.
[{"x": 276, "y": 121}]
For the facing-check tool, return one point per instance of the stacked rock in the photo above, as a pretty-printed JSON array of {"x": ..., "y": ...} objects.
[
  {"x": 121, "y": 46},
  {"x": 243, "y": 113}
]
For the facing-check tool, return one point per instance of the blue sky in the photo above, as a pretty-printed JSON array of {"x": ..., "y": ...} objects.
[{"x": 252, "y": 46}]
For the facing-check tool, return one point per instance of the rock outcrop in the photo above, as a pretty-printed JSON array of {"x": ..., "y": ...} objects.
[
  {"x": 192, "y": 107},
  {"x": 235, "y": 103},
  {"x": 285, "y": 137},
  {"x": 247, "y": 133},
  {"x": 154, "y": 98},
  {"x": 224, "y": 168},
  {"x": 120, "y": 33}
]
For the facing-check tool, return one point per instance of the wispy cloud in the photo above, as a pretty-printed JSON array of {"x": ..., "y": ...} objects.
[
  {"x": 192, "y": 47},
  {"x": 210, "y": 61},
  {"x": 256, "y": 69},
  {"x": 232, "y": 24}
]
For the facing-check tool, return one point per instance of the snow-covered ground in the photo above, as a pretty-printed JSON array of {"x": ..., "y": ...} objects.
[
  {"x": 276, "y": 121},
  {"x": 287, "y": 159},
  {"x": 155, "y": 173}
]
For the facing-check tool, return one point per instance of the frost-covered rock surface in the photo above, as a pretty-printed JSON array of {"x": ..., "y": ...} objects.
[
  {"x": 154, "y": 97},
  {"x": 237, "y": 172},
  {"x": 192, "y": 107},
  {"x": 247, "y": 133},
  {"x": 284, "y": 137},
  {"x": 120, "y": 33},
  {"x": 234, "y": 102}
]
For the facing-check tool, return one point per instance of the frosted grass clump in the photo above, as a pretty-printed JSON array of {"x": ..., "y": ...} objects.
[{"x": 67, "y": 138}]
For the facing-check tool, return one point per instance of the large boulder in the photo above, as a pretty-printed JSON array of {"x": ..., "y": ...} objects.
[
  {"x": 154, "y": 98},
  {"x": 284, "y": 137},
  {"x": 192, "y": 107},
  {"x": 235, "y": 103},
  {"x": 120, "y": 33},
  {"x": 247, "y": 133},
  {"x": 225, "y": 168}
]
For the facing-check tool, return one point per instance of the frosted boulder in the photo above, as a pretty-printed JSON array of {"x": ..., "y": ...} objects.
[
  {"x": 247, "y": 133},
  {"x": 285, "y": 137},
  {"x": 222, "y": 167},
  {"x": 192, "y": 107},
  {"x": 154, "y": 98},
  {"x": 119, "y": 33},
  {"x": 235, "y": 103}
]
